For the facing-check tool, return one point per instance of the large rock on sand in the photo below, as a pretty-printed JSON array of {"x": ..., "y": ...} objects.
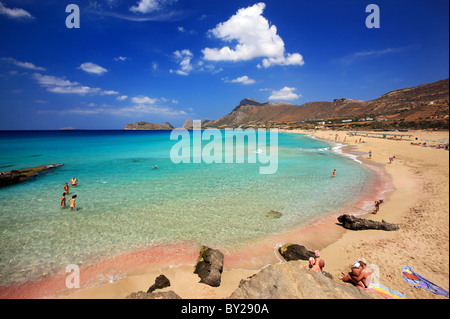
[
  {"x": 295, "y": 252},
  {"x": 293, "y": 281},
  {"x": 160, "y": 282},
  {"x": 355, "y": 223},
  {"x": 210, "y": 266}
]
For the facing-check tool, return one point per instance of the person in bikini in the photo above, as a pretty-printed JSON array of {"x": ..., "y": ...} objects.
[
  {"x": 66, "y": 189},
  {"x": 360, "y": 275},
  {"x": 315, "y": 263},
  {"x": 72, "y": 202},
  {"x": 63, "y": 200}
]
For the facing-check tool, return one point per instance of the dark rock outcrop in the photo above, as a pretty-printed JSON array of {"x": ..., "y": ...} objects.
[
  {"x": 154, "y": 295},
  {"x": 295, "y": 252},
  {"x": 20, "y": 175},
  {"x": 355, "y": 223},
  {"x": 293, "y": 281},
  {"x": 210, "y": 266},
  {"x": 148, "y": 126},
  {"x": 160, "y": 282}
]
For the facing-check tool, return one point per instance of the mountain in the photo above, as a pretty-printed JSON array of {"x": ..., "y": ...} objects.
[
  {"x": 148, "y": 126},
  {"x": 423, "y": 103}
]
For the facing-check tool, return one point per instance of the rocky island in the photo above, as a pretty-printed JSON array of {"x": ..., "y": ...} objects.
[{"x": 148, "y": 126}]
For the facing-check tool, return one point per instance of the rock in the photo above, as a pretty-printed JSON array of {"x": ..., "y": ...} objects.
[
  {"x": 160, "y": 283},
  {"x": 274, "y": 214},
  {"x": 154, "y": 295},
  {"x": 292, "y": 281},
  {"x": 148, "y": 126},
  {"x": 295, "y": 252},
  {"x": 210, "y": 266},
  {"x": 355, "y": 223},
  {"x": 20, "y": 175},
  {"x": 189, "y": 124}
]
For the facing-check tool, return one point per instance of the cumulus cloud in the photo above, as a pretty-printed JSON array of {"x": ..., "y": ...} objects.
[
  {"x": 285, "y": 94},
  {"x": 15, "y": 13},
  {"x": 92, "y": 68},
  {"x": 122, "y": 98},
  {"x": 184, "y": 58},
  {"x": 147, "y": 6},
  {"x": 255, "y": 37},
  {"x": 243, "y": 80}
]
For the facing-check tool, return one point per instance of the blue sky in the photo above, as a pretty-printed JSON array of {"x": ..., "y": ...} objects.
[{"x": 170, "y": 60}]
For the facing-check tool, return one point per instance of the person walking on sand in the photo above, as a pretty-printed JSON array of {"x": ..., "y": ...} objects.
[
  {"x": 370, "y": 154},
  {"x": 63, "y": 200},
  {"x": 334, "y": 173},
  {"x": 66, "y": 189},
  {"x": 72, "y": 202}
]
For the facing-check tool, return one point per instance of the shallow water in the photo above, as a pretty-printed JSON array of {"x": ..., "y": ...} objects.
[{"x": 124, "y": 205}]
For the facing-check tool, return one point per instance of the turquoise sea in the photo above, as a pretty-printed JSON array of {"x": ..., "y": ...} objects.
[{"x": 125, "y": 205}]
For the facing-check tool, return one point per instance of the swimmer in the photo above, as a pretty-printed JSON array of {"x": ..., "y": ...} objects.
[
  {"x": 334, "y": 173},
  {"x": 63, "y": 200},
  {"x": 72, "y": 202},
  {"x": 74, "y": 181},
  {"x": 66, "y": 189},
  {"x": 155, "y": 167}
]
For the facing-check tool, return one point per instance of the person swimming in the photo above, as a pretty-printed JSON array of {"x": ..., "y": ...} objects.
[{"x": 155, "y": 167}]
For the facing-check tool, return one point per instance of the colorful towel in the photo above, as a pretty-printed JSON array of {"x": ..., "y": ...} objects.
[
  {"x": 418, "y": 281},
  {"x": 385, "y": 292}
]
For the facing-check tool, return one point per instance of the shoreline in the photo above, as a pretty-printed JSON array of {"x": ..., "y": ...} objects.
[{"x": 339, "y": 251}]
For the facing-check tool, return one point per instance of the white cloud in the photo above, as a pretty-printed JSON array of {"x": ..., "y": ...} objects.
[
  {"x": 121, "y": 98},
  {"x": 62, "y": 86},
  {"x": 285, "y": 94},
  {"x": 184, "y": 58},
  {"x": 92, "y": 68},
  {"x": 243, "y": 79},
  {"x": 145, "y": 6},
  {"x": 255, "y": 39},
  {"x": 25, "y": 65},
  {"x": 15, "y": 13},
  {"x": 143, "y": 100},
  {"x": 121, "y": 58}
]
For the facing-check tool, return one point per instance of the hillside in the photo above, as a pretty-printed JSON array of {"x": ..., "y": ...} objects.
[{"x": 409, "y": 106}]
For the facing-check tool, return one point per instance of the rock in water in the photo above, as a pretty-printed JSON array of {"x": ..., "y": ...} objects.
[
  {"x": 210, "y": 266},
  {"x": 274, "y": 214},
  {"x": 21, "y": 175},
  {"x": 160, "y": 283},
  {"x": 355, "y": 223},
  {"x": 295, "y": 252}
]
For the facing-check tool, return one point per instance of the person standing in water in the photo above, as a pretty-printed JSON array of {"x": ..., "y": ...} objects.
[
  {"x": 72, "y": 202},
  {"x": 66, "y": 189},
  {"x": 63, "y": 200},
  {"x": 334, "y": 173},
  {"x": 73, "y": 181}
]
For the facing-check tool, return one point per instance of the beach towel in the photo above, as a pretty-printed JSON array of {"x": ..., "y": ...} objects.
[
  {"x": 385, "y": 292},
  {"x": 418, "y": 281}
]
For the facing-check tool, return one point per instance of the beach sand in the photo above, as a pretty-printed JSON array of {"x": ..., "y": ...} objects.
[{"x": 418, "y": 203}]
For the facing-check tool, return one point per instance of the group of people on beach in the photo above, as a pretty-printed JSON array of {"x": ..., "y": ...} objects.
[
  {"x": 72, "y": 204},
  {"x": 359, "y": 274}
]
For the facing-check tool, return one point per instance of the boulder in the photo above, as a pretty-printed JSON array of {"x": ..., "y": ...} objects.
[
  {"x": 355, "y": 223},
  {"x": 274, "y": 214},
  {"x": 293, "y": 281},
  {"x": 160, "y": 283},
  {"x": 210, "y": 266},
  {"x": 295, "y": 252}
]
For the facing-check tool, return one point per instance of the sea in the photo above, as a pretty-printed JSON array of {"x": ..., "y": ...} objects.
[{"x": 125, "y": 205}]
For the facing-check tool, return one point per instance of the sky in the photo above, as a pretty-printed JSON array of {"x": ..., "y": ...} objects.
[{"x": 172, "y": 60}]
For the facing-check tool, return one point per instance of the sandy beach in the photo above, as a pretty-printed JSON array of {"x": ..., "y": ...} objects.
[{"x": 418, "y": 204}]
